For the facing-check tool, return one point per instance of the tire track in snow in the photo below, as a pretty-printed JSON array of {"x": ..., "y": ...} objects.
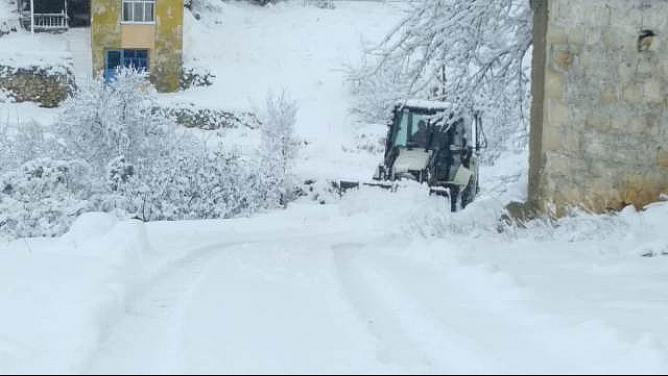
[
  {"x": 466, "y": 319},
  {"x": 395, "y": 344},
  {"x": 146, "y": 337},
  {"x": 409, "y": 337}
]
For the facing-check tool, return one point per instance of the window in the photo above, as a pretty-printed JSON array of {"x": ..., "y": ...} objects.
[
  {"x": 401, "y": 135},
  {"x": 419, "y": 130},
  {"x": 138, "y": 11},
  {"x": 116, "y": 59}
]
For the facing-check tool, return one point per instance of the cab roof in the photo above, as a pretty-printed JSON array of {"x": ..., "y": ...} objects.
[{"x": 425, "y": 105}]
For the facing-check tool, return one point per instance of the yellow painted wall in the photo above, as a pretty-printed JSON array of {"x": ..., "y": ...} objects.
[
  {"x": 138, "y": 36},
  {"x": 105, "y": 29},
  {"x": 168, "y": 57}
]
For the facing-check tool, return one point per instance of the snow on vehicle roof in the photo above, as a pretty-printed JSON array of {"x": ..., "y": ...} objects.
[{"x": 426, "y": 103}]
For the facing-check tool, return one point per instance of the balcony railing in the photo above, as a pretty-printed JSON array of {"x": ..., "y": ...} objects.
[{"x": 46, "y": 21}]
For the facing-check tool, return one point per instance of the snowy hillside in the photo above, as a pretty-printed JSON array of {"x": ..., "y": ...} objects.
[
  {"x": 303, "y": 50},
  {"x": 371, "y": 282}
]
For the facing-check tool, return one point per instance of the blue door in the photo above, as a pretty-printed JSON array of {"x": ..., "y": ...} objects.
[{"x": 137, "y": 59}]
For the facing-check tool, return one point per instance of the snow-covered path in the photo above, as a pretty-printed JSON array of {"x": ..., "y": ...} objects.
[
  {"x": 312, "y": 290},
  {"x": 347, "y": 287}
]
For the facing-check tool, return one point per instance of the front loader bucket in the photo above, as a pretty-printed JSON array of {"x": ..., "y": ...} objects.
[{"x": 342, "y": 186}]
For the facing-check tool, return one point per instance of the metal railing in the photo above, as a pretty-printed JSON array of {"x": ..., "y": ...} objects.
[
  {"x": 50, "y": 21},
  {"x": 46, "y": 21}
]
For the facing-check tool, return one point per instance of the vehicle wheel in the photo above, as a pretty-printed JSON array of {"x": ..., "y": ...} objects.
[
  {"x": 454, "y": 198},
  {"x": 469, "y": 193}
]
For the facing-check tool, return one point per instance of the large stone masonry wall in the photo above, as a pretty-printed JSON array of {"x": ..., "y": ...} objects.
[
  {"x": 599, "y": 127},
  {"x": 48, "y": 86}
]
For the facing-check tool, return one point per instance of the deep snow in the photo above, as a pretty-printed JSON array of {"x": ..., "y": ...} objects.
[{"x": 375, "y": 282}]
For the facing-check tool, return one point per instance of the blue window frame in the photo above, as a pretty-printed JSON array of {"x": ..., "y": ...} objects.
[{"x": 115, "y": 59}]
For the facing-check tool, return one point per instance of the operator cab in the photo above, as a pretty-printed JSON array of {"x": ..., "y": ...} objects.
[
  {"x": 428, "y": 143},
  {"x": 413, "y": 128}
]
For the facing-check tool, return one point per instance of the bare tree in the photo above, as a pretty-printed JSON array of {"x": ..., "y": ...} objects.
[
  {"x": 473, "y": 54},
  {"x": 279, "y": 147}
]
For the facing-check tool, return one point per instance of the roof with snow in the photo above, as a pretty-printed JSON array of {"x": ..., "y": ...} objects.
[{"x": 426, "y": 104}]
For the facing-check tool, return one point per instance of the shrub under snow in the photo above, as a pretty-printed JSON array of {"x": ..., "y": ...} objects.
[
  {"x": 278, "y": 147},
  {"x": 111, "y": 151},
  {"x": 43, "y": 197}
]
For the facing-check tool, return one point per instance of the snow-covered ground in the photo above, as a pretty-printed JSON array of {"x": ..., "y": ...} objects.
[
  {"x": 351, "y": 286},
  {"x": 374, "y": 282}
]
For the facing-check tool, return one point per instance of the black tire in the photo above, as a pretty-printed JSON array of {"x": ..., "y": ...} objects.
[
  {"x": 470, "y": 192},
  {"x": 454, "y": 198}
]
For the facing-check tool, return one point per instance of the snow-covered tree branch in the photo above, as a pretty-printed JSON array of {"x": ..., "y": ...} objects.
[{"x": 473, "y": 54}]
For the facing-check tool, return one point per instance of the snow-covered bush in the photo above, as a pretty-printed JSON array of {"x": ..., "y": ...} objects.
[
  {"x": 5, "y": 148},
  {"x": 105, "y": 121},
  {"x": 324, "y": 4},
  {"x": 43, "y": 197},
  {"x": 5, "y": 96},
  {"x": 192, "y": 116},
  {"x": 22, "y": 142},
  {"x": 196, "y": 77},
  {"x": 187, "y": 185},
  {"x": 138, "y": 163},
  {"x": 278, "y": 148}
]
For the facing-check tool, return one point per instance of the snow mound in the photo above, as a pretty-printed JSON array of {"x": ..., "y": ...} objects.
[
  {"x": 46, "y": 51},
  {"x": 59, "y": 296},
  {"x": 89, "y": 226}
]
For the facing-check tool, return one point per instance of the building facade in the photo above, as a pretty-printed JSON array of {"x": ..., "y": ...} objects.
[
  {"x": 599, "y": 132},
  {"x": 145, "y": 34}
]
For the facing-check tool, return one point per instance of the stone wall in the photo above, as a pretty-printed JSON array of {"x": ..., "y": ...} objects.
[
  {"x": 599, "y": 132},
  {"x": 191, "y": 116},
  {"x": 48, "y": 87}
]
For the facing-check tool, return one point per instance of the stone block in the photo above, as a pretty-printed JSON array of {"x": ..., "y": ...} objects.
[
  {"x": 554, "y": 86},
  {"x": 593, "y": 36},
  {"x": 626, "y": 70},
  {"x": 626, "y": 15},
  {"x": 619, "y": 39},
  {"x": 557, "y": 163},
  {"x": 662, "y": 159},
  {"x": 619, "y": 123},
  {"x": 599, "y": 119},
  {"x": 653, "y": 91},
  {"x": 610, "y": 95},
  {"x": 564, "y": 12},
  {"x": 557, "y": 35},
  {"x": 557, "y": 113},
  {"x": 655, "y": 17},
  {"x": 562, "y": 57},
  {"x": 647, "y": 66},
  {"x": 639, "y": 190},
  {"x": 552, "y": 138},
  {"x": 632, "y": 93}
]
